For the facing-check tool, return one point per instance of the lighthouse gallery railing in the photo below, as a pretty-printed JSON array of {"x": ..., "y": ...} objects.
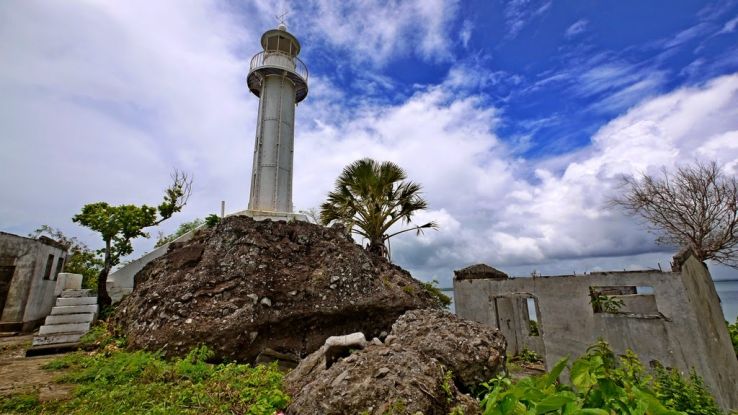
[{"x": 279, "y": 60}]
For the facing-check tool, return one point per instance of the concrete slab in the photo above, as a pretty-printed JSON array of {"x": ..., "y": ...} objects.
[
  {"x": 75, "y": 293},
  {"x": 70, "y": 318},
  {"x": 76, "y": 301},
  {"x": 56, "y": 339},
  {"x": 64, "y": 328},
  {"x": 74, "y": 309}
]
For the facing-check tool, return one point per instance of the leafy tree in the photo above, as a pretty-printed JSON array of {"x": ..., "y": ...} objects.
[
  {"x": 696, "y": 206},
  {"x": 118, "y": 225},
  {"x": 182, "y": 229},
  {"x": 370, "y": 197},
  {"x": 80, "y": 259}
]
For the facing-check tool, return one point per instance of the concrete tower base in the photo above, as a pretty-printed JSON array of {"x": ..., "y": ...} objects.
[{"x": 262, "y": 215}]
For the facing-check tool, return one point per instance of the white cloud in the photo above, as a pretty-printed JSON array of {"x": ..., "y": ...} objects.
[
  {"x": 518, "y": 13},
  {"x": 576, "y": 28},
  {"x": 375, "y": 31},
  {"x": 466, "y": 32},
  {"x": 730, "y": 25},
  {"x": 104, "y": 98}
]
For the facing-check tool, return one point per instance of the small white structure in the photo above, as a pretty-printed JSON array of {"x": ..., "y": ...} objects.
[
  {"x": 28, "y": 277},
  {"x": 279, "y": 79}
]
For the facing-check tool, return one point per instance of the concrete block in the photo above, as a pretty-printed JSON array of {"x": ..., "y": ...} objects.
[
  {"x": 69, "y": 281},
  {"x": 64, "y": 328},
  {"x": 75, "y": 293},
  {"x": 56, "y": 338},
  {"x": 75, "y": 301},
  {"x": 70, "y": 318},
  {"x": 74, "y": 309}
]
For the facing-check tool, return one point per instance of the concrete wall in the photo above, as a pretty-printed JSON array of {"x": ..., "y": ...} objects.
[
  {"x": 29, "y": 297},
  {"x": 679, "y": 324}
]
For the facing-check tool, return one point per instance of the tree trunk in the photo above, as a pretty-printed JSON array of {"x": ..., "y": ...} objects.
[
  {"x": 377, "y": 247},
  {"x": 103, "y": 299}
]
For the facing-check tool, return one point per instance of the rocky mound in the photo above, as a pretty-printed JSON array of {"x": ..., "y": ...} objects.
[
  {"x": 262, "y": 290},
  {"x": 474, "y": 352},
  {"x": 425, "y": 364}
]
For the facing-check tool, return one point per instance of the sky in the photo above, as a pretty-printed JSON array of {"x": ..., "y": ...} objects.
[{"x": 517, "y": 117}]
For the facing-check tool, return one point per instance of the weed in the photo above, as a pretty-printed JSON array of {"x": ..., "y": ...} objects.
[
  {"x": 18, "y": 403},
  {"x": 432, "y": 289},
  {"x": 601, "y": 383},
  {"x": 605, "y": 304},
  {"x": 116, "y": 382}
]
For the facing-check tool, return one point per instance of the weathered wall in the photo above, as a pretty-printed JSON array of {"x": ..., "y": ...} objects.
[
  {"x": 687, "y": 330},
  {"x": 30, "y": 297}
]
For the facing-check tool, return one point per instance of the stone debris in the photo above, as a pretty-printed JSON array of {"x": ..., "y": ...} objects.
[
  {"x": 427, "y": 364},
  {"x": 247, "y": 286}
]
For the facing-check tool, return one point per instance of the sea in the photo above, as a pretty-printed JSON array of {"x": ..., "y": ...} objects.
[{"x": 727, "y": 291}]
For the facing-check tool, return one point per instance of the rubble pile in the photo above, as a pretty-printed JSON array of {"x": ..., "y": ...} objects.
[
  {"x": 259, "y": 291},
  {"x": 427, "y": 364}
]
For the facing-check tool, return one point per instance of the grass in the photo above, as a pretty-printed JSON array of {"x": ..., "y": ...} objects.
[{"x": 114, "y": 381}]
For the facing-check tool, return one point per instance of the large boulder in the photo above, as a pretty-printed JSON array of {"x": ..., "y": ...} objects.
[
  {"x": 265, "y": 289},
  {"x": 475, "y": 353},
  {"x": 382, "y": 380},
  {"x": 427, "y": 363}
]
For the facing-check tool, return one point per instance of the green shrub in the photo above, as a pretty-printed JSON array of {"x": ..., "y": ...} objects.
[
  {"x": 432, "y": 289},
  {"x": 684, "y": 394},
  {"x": 605, "y": 304},
  {"x": 601, "y": 384},
  {"x": 526, "y": 356},
  {"x": 211, "y": 220}
]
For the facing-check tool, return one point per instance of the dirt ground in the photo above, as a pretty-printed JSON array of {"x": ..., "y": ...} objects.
[{"x": 23, "y": 375}]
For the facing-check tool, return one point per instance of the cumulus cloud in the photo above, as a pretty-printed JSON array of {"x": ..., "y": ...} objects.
[
  {"x": 103, "y": 99},
  {"x": 375, "y": 31}
]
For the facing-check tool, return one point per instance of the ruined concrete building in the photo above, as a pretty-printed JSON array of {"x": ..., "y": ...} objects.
[
  {"x": 670, "y": 317},
  {"x": 28, "y": 271}
]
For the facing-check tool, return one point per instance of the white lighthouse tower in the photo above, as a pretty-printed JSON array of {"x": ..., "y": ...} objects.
[{"x": 279, "y": 79}]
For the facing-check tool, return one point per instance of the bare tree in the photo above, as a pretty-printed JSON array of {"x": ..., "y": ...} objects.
[{"x": 695, "y": 206}]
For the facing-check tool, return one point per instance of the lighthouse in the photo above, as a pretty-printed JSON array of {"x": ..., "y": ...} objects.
[{"x": 280, "y": 80}]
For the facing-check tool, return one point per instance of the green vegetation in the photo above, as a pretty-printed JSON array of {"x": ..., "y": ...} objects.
[
  {"x": 432, "y": 289},
  {"x": 118, "y": 225},
  {"x": 182, "y": 229},
  {"x": 113, "y": 381},
  {"x": 211, "y": 220},
  {"x": 601, "y": 384},
  {"x": 733, "y": 331},
  {"x": 687, "y": 394},
  {"x": 369, "y": 198},
  {"x": 533, "y": 329},
  {"x": 605, "y": 304},
  {"x": 527, "y": 356}
]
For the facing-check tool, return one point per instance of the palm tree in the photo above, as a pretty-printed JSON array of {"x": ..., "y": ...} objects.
[{"x": 370, "y": 197}]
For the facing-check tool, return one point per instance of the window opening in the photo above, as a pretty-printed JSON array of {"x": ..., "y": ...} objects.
[
  {"x": 49, "y": 264},
  {"x": 534, "y": 328},
  {"x": 624, "y": 300}
]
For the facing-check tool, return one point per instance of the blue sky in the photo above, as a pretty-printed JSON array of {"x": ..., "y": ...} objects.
[{"x": 517, "y": 117}]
